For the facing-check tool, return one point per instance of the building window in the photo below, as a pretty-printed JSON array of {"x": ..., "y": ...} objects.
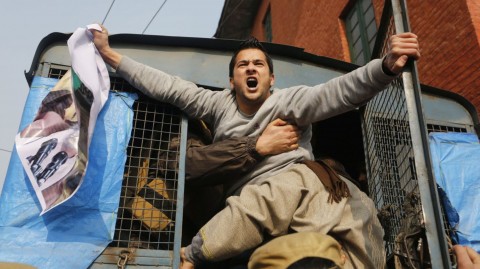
[
  {"x": 267, "y": 27},
  {"x": 361, "y": 31}
]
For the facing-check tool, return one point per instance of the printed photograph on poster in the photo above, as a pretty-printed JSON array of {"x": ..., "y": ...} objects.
[{"x": 53, "y": 149}]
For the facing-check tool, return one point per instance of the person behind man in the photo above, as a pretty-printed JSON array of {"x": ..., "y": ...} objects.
[{"x": 280, "y": 194}]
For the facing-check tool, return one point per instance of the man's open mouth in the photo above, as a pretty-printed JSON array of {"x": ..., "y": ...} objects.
[{"x": 252, "y": 82}]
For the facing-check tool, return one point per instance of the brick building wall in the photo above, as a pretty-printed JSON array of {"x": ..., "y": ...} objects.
[
  {"x": 449, "y": 32},
  {"x": 303, "y": 24},
  {"x": 449, "y": 45}
]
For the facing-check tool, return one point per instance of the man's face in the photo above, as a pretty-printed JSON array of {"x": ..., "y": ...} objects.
[{"x": 251, "y": 80}]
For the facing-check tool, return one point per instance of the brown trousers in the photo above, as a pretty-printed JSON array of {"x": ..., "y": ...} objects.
[{"x": 296, "y": 200}]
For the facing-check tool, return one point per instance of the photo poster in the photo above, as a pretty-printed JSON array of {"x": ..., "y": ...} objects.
[{"x": 53, "y": 148}]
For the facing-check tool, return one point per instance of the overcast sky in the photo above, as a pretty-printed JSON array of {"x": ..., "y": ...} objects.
[{"x": 25, "y": 22}]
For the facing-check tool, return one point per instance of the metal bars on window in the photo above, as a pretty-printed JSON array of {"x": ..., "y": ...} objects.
[
  {"x": 267, "y": 26},
  {"x": 361, "y": 31},
  {"x": 398, "y": 162}
]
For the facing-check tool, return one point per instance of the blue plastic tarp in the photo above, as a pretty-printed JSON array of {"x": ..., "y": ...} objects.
[
  {"x": 73, "y": 234},
  {"x": 456, "y": 166}
]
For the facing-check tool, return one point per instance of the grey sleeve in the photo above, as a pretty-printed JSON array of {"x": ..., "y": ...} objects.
[
  {"x": 193, "y": 252},
  {"x": 306, "y": 104},
  {"x": 195, "y": 101}
]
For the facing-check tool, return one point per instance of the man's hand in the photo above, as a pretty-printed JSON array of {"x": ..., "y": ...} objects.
[
  {"x": 100, "y": 39},
  {"x": 184, "y": 264},
  {"x": 401, "y": 48},
  {"x": 278, "y": 137},
  {"x": 467, "y": 258}
]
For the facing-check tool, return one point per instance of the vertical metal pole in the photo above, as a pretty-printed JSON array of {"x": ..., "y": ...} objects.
[
  {"x": 180, "y": 192},
  {"x": 426, "y": 183}
]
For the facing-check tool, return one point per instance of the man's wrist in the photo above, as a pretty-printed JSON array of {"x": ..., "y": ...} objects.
[
  {"x": 111, "y": 57},
  {"x": 385, "y": 68}
]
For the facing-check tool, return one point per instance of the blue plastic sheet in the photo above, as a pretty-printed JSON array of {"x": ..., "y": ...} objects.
[
  {"x": 73, "y": 234},
  {"x": 456, "y": 165}
]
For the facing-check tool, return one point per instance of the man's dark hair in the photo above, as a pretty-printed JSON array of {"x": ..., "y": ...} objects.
[
  {"x": 251, "y": 43},
  {"x": 312, "y": 263}
]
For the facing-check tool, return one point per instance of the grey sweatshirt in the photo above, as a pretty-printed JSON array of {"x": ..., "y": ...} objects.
[{"x": 300, "y": 105}]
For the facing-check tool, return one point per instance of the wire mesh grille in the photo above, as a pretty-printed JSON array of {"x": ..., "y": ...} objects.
[
  {"x": 388, "y": 147},
  {"x": 390, "y": 158},
  {"x": 147, "y": 209},
  {"x": 146, "y": 214},
  {"x": 56, "y": 72},
  {"x": 389, "y": 154}
]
